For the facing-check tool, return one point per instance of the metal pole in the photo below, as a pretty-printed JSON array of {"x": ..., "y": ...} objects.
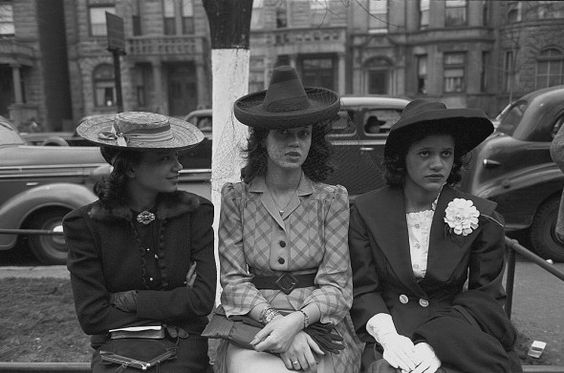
[
  {"x": 509, "y": 284},
  {"x": 117, "y": 79}
]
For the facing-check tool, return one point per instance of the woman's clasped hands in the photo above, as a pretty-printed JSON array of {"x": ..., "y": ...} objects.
[
  {"x": 400, "y": 352},
  {"x": 284, "y": 336}
]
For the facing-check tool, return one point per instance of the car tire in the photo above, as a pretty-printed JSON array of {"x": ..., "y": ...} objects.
[
  {"x": 48, "y": 249},
  {"x": 541, "y": 232}
]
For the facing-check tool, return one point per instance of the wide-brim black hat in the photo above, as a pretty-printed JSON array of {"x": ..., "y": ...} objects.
[
  {"x": 137, "y": 130},
  {"x": 286, "y": 103},
  {"x": 469, "y": 127}
]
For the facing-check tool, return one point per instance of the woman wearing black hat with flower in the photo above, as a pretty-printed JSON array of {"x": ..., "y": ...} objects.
[
  {"x": 427, "y": 259},
  {"x": 283, "y": 237},
  {"x": 141, "y": 257}
]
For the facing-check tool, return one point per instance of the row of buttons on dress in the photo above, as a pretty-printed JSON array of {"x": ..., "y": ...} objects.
[{"x": 404, "y": 300}]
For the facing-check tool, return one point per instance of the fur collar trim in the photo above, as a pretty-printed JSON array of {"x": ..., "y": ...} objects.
[{"x": 168, "y": 205}]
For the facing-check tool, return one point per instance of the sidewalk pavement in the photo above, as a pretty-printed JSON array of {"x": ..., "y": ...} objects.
[{"x": 59, "y": 271}]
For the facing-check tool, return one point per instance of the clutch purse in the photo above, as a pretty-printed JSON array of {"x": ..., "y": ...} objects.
[{"x": 238, "y": 329}]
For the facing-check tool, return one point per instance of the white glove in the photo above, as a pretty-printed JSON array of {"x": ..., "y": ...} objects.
[
  {"x": 428, "y": 361},
  {"x": 399, "y": 350}
]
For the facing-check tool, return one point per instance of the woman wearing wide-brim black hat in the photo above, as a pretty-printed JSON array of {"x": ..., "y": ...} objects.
[
  {"x": 141, "y": 257},
  {"x": 283, "y": 237},
  {"x": 427, "y": 259}
]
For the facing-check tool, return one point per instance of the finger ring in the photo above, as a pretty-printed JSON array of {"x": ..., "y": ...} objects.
[{"x": 295, "y": 362}]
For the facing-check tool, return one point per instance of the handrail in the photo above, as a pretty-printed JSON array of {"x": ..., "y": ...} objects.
[
  {"x": 514, "y": 247},
  {"x": 31, "y": 231}
]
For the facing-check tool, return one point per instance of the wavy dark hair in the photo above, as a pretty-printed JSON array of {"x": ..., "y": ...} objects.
[
  {"x": 316, "y": 166},
  {"x": 394, "y": 158},
  {"x": 111, "y": 189}
]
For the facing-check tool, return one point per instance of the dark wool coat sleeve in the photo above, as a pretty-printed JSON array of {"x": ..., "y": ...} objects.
[
  {"x": 104, "y": 258},
  {"x": 91, "y": 297}
]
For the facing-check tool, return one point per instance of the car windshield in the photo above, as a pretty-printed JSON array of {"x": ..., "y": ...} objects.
[{"x": 510, "y": 117}]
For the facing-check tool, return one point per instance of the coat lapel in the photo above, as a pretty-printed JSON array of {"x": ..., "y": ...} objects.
[
  {"x": 446, "y": 249},
  {"x": 384, "y": 215}
]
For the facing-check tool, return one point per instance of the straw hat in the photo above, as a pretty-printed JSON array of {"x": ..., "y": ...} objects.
[
  {"x": 137, "y": 130},
  {"x": 286, "y": 103},
  {"x": 469, "y": 127}
]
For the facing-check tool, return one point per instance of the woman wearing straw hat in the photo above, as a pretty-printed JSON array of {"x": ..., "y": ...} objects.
[
  {"x": 141, "y": 257},
  {"x": 418, "y": 243},
  {"x": 283, "y": 237}
]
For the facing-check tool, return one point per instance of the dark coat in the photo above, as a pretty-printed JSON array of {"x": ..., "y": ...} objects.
[
  {"x": 104, "y": 257},
  {"x": 382, "y": 272}
]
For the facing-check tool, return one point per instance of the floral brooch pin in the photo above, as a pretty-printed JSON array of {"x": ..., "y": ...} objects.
[{"x": 461, "y": 216}]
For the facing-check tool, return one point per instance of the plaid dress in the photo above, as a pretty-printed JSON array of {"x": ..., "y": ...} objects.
[{"x": 309, "y": 236}]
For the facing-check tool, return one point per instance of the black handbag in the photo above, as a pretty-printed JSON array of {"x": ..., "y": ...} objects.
[{"x": 141, "y": 352}]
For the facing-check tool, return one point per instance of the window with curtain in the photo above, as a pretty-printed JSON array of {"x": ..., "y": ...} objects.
[
  {"x": 97, "y": 16},
  {"x": 168, "y": 17},
  {"x": 455, "y": 12},
  {"x": 319, "y": 72},
  {"x": 422, "y": 74},
  {"x": 6, "y": 19},
  {"x": 484, "y": 71},
  {"x": 424, "y": 14},
  {"x": 136, "y": 17},
  {"x": 454, "y": 71},
  {"x": 514, "y": 13},
  {"x": 257, "y": 18},
  {"x": 187, "y": 17},
  {"x": 104, "y": 85},
  {"x": 378, "y": 17},
  {"x": 550, "y": 68}
]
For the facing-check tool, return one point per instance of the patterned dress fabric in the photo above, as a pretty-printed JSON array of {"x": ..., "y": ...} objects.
[{"x": 310, "y": 236}]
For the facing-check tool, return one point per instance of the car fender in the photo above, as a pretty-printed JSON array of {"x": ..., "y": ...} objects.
[
  {"x": 16, "y": 210},
  {"x": 520, "y": 194}
]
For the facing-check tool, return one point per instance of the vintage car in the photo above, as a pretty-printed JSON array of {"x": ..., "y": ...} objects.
[
  {"x": 38, "y": 186},
  {"x": 513, "y": 168},
  {"x": 358, "y": 139}
]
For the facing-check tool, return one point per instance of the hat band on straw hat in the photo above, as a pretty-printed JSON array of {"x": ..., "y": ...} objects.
[{"x": 138, "y": 136}]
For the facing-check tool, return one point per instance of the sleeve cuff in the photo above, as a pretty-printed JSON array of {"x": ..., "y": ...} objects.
[{"x": 381, "y": 325}]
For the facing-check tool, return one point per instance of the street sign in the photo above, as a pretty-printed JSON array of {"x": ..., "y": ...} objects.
[{"x": 115, "y": 31}]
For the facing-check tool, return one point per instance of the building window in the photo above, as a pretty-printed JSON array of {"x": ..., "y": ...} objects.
[
  {"x": 550, "y": 68},
  {"x": 423, "y": 14},
  {"x": 281, "y": 16},
  {"x": 453, "y": 70},
  {"x": 422, "y": 74},
  {"x": 141, "y": 78},
  {"x": 187, "y": 17},
  {"x": 378, "y": 16},
  {"x": 257, "y": 19},
  {"x": 508, "y": 70},
  {"x": 485, "y": 12},
  {"x": 6, "y": 19},
  {"x": 136, "y": 18},
  {"x": 104, "y": 86},
  {"x": 514, "y": 13},
  {"x": 98, "y": 19},
  {"x": 319, "y": 72},
  {"x": 484, "y": 71},
  {"x": 377, "y": 76},
  {"x": 256, "y": 74},
  {"x": 169, "y": 18},
  {"x": 455, "y": 13},
  {"x": 550, "y": 9}
]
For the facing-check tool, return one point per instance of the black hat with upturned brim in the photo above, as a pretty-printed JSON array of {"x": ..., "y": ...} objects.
[
  {"x": 286, "y": 103},
  {"x": 469, "y": 127}
]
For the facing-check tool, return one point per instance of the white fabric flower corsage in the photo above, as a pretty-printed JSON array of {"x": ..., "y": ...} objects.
[{"x": 461, "y": 216}]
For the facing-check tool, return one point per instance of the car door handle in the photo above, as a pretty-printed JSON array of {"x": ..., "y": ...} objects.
[
  {"x": 367, "y": 149},
  {"x": 488, "y": 163}
]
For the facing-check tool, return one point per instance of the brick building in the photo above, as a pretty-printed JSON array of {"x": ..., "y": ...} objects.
[{"x": 55, "y": 67}]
